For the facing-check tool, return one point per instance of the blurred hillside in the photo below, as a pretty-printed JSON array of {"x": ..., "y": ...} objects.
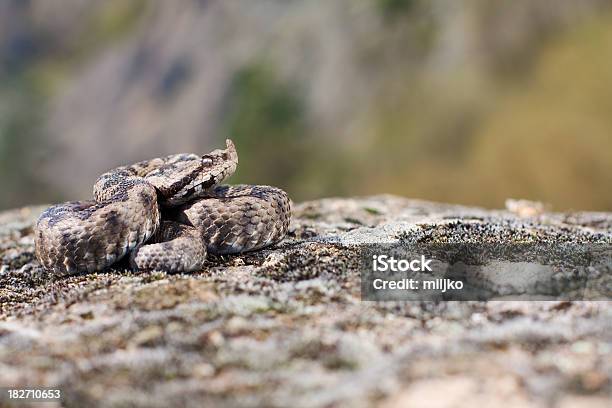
[{"x": 462, "y": 101}]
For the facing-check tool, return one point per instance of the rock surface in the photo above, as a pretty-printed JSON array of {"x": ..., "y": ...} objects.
[{"x": 286, "y": 326}]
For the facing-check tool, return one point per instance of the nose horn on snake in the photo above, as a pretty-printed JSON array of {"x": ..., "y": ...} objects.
[{"x": 231, "y": 150}]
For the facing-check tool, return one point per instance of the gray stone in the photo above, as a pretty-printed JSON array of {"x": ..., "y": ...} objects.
[{"x": 286, "y": 326}]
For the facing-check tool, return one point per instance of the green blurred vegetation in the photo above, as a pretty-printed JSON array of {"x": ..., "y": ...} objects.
[
  {"x": 473, "y": 139},
  {"x": 261, "y": 105},
  {"x": 547, "y": 136},
  {"x": 27, "y": 82},
  {"x": 393, "y": 8},
  {"x": 551, "y": 138},
  {"x": 266, "y": 118},
  {"x": 20, "y": 117},
  {"x": 529, "y": 121}
]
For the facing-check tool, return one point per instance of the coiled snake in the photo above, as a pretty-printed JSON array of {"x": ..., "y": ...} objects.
[{"x": 166, "y": 213}]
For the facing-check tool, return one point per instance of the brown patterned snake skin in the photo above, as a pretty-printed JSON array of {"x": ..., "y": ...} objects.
[{"x": 166, "y": 213}]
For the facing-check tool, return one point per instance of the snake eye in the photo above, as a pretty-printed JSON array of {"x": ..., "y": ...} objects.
[{"x": 207, "y": 161}]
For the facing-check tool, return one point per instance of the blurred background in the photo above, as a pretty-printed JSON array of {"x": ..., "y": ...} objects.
[{"x": 469, "y": 101}]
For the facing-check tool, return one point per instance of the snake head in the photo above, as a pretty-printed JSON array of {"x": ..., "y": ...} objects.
[
  {"x": 183, "y": 177},
  {"x": 222, "y": 160}
]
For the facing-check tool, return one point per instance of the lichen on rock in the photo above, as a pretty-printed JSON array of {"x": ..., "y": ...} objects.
[{"x": 286, "y": 326}]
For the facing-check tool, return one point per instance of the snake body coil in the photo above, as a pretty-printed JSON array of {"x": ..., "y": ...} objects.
[{"x": 166, "y": 213}]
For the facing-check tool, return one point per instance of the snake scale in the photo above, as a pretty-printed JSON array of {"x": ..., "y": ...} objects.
[{"x": 166, "y": 213}]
